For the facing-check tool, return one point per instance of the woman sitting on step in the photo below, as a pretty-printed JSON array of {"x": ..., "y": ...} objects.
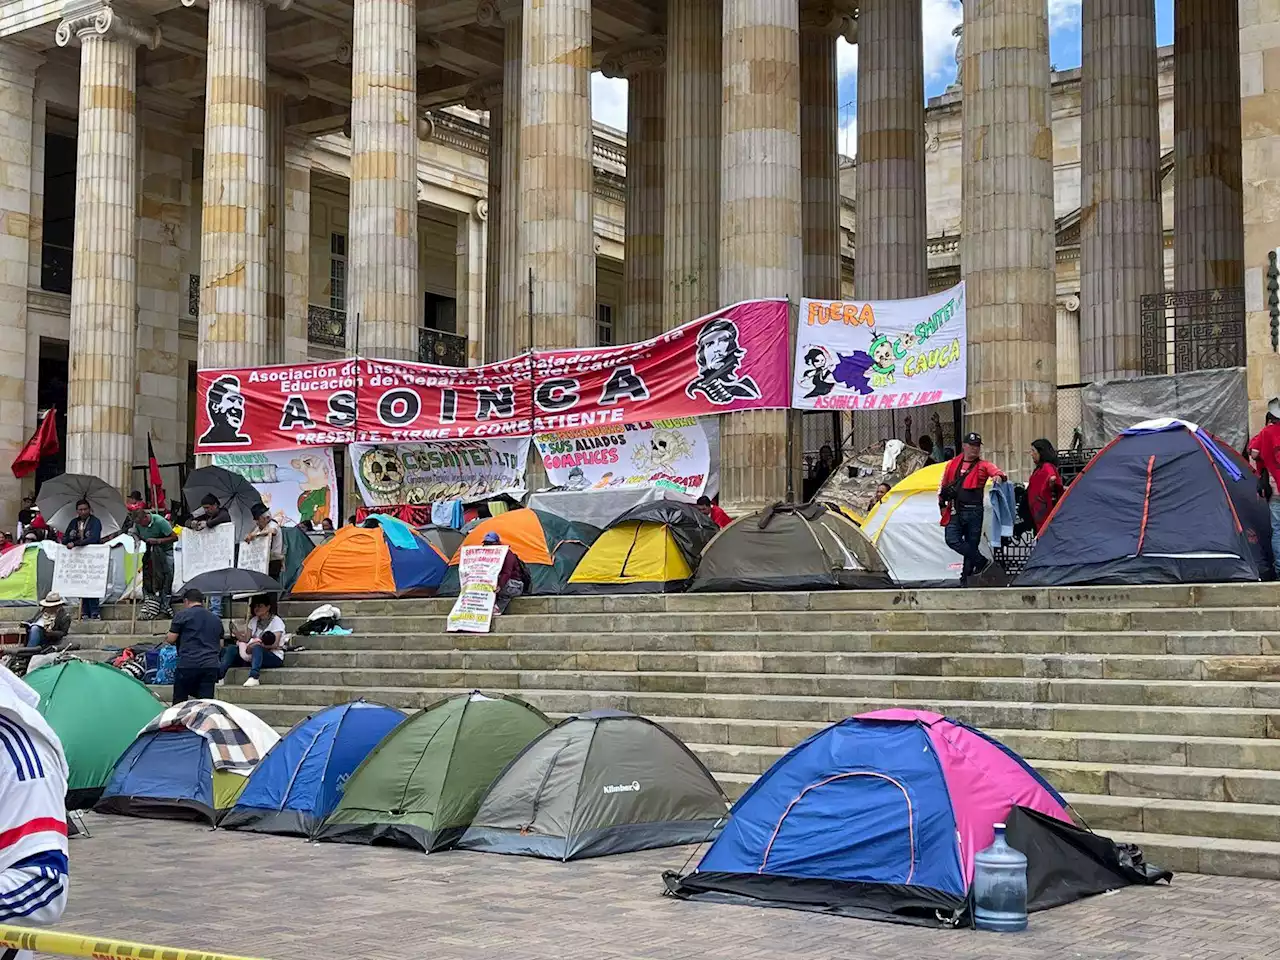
[{"x": 259, "y": 643}]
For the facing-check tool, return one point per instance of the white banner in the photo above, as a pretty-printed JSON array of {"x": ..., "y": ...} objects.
[
  {"x": 295, "y": 485},
  {"x": 254, "y": 555},
  {"x": 667, "y": 454},
  {"x": 430, "y": 471},
  {"x": 205, "y": 550},
  {"x": 478, "y": 570},
  {"x": 82, "y": 571},
  {"x": 881, "y": 354}
]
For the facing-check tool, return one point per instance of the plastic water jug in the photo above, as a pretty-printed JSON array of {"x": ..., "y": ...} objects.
[{"x": 1000, "y": 887}]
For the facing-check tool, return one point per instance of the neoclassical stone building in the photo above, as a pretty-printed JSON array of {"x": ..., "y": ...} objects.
[{"x": 298, "y": 161}]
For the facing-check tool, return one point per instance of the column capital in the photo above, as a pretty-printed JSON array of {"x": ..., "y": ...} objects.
[
  {"x": 627, "y": 62},
  {"x": 278, "y": 4},
  {"x": 484, "y": 95},
  {"x": 105, "y": 21},
  {"x": 296, "y": 88},
  {"x": 481, "y": 209},
  {"x": 1070, "y": 303},
  {"x": 491, "y": 13},
  {"x": 829, "y": 17}
]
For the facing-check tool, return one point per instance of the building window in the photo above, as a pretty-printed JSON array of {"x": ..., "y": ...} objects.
[
  {"x": 439, "y": 313},
  {"x": 604, "y": 325},
  {"x": 338, "y": 271},
  {"x": 59, "y": 212}
]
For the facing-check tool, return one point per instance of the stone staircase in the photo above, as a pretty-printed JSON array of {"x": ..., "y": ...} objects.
[{"x": 1155, "y": 710}]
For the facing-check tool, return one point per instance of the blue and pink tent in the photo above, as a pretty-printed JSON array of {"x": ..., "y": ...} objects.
[{"x": 880, "y": 816}]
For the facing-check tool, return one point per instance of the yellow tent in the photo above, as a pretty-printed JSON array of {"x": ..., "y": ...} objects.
[
  {"x": 632, "y": 558},
  {"x": 906, "y": 530}
]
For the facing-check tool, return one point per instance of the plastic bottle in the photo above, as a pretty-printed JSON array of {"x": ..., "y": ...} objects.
[{"x": 1000, "y": 887}]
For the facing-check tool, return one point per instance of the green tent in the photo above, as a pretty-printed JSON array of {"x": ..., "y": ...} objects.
[
  {"x": 96, "y": 711},
  {"x": 296, "y": 547},
  {"x": 423, "y": 783},
  {"x": 27, "y": 584}
]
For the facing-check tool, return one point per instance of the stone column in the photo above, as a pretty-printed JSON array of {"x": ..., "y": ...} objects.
[
  {"x": 297, "y": 248},
  {"x": 1208, "y": 205},
  {"x": 233, "y": 226},
  {"x": 470, "y": 286},
  {"x": 1121, "y": 234},
  {"x": 275, "y": 224},
  {"x": 104, "y": 292},
  {"x": 511, "y": 326},
  {"x": 1067, "y": 311},
  {"x": 644, "y": 69},
  {"x": 18, "y": 147},
  {"x": 384, "y": 306},
  {"x": 488, "y": 97},
  {"x": 691, "y": 218},
  {"x": 1008, "y": 244},
  {"x": 819, "y": 149},
  {"x": 760, "y": 223},
  {"x": 557, "y": 230},
  {"x": 892, "y": 259}
]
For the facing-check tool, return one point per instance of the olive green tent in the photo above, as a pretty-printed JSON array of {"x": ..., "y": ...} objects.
[
  {"x": 96, "y": 711},
  {"x": 422, "y": 784}
]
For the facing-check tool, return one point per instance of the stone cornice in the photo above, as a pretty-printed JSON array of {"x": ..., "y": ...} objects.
[
  {"x": 628, "y": 62},
  {"x": 103, "y": 20}
]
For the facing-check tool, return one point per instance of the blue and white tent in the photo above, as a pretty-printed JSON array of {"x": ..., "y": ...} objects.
[{"x": 300, "y": 781}]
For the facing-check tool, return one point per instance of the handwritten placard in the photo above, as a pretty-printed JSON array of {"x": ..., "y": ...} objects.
[
  {"x": 255, "y": 554},
  {"x": 205, "y": 550},
  {"x": 478, "y": 570},
  {"x": 82, "y": 571}
]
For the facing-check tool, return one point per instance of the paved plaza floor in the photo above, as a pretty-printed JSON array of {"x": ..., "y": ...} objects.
[{"x": 182, "y": 885}]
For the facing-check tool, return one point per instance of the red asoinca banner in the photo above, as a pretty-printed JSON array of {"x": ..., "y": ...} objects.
[{"x": 733, "y": 359}]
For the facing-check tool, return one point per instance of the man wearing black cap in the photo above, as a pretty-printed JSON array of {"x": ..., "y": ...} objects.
[{"x": 960, "y": 496}]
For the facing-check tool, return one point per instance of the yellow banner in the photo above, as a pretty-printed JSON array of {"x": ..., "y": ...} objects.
[{"x": 97, "y": 948}]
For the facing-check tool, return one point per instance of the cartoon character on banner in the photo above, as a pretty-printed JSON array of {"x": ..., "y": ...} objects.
[
  {"x": 577, "y": 480},
  {"x": 819, "y": 372},
  {"x": 224, "y": 403},
  {"x": 313, "y": 495},
  {"x": 863, "y": 372},
  {"x": 719, "y": 354},
  {"x": 382, "y": 472},
  {"x": 665, "y": 449}
]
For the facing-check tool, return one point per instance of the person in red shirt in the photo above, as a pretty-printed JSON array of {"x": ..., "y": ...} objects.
[
  {"x": 1267, "y": 445},
  {"x": 712, "y": 510},
  {"x": 964, "y": 480},
  {"x": 1045, "y": 486}
]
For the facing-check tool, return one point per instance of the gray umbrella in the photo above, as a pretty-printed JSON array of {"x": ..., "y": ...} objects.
[
  {"x": 232, "y": 490},
  {"x": 57, "y": 501}
]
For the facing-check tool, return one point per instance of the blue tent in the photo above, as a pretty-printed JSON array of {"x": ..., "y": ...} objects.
[
  {"x": 300, "y": 781},
  {"x": 169, "y": 774},
  {"x": 1164, "y": 502}
]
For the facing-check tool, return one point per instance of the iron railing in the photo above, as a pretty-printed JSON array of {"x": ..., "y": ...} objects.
[
  {"x": 1206, "y": 328},
  {"x": 326, "y": 326},
  {"x": 441, "y": 348}
]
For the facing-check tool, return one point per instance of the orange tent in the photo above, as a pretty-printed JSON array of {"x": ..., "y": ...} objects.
[
  {"x": 364, "y": 561},
  {"x": 549, "y": 545}
]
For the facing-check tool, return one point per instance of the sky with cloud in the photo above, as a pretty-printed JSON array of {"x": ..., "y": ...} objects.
[{"x": 609, "y": 97}]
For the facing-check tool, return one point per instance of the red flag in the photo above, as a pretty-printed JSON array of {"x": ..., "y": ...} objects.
[
  {"x": 43, "y": 443},
  {"x": 154, "y": 483}
]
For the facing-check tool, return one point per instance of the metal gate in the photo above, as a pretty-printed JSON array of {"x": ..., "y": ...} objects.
[{"x": 1193, "y": 330}]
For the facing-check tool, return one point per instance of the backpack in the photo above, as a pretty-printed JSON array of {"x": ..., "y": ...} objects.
[{"x": 166, "y": 663}]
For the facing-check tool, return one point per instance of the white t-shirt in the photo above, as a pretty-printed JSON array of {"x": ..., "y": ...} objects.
[{"x": 275, "y": 626}]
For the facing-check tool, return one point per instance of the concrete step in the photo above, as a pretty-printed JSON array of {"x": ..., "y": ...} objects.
[
  {"x": 811, "y": 643},
  {"x": 1236, "y": 722},
  {"x": 1173, "y": 693},
  {"x": 1194, "y": 818},
  {"x": 928, "y": 664}
]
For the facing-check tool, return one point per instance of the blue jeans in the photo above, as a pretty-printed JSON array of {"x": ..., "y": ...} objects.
[
  {"x": 257, "y": 662},
  {"x": 35, "y": 635},
  {"x": 964, "y": 536},
  {"x": 90, "y": 608},
  {"x": 1275, "y": 531}
]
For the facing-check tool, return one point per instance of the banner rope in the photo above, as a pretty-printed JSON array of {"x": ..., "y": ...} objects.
[{"x": 97, "y": 948}]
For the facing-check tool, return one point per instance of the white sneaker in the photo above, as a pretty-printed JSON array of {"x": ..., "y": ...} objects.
[
  {"x": 221, "y": 683},
  {"x": 251, "y": 682}
]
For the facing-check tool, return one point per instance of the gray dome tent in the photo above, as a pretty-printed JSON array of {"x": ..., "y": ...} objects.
[
  {"x": 790, "y": 547},
  {"x": 598, "y": 783}
]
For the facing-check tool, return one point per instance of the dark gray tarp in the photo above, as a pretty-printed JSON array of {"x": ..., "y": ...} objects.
[
  {"x": 790, "y": 547},
  {"x": 599, "y": 783},
  {"x": 1217, "y": 400}
]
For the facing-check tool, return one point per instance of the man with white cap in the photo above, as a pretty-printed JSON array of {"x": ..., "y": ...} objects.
[
  {"x": 1267, "y": 447},
  {"x": 34, "y": 877}
]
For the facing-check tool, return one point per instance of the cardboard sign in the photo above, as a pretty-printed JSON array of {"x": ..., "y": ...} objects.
[
  {"x": 205, "y": 550},
  {"x": 254, "y": 555},
  {"x": 478, "y": 570},
  {"x": 81, "y": 572}
]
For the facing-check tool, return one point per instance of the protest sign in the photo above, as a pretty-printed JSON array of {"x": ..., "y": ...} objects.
[
  {"x": 668, "y": 454},
  {"x": 478, "y": 570},
  {"x": 880, "y": 354},
  {"x": 205, "y": 550},
  {"x": 422, "y": 473},
  {"x": 295, "y": 485},
  {"x": 81, "y": 572},
  {"x": 254, "y": 555}
]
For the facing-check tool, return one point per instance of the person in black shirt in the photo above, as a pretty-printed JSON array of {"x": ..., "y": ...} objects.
[{"x": 198, "y": 635}]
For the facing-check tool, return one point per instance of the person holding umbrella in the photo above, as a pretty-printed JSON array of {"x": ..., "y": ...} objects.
[{"x": 85, "y": 531}]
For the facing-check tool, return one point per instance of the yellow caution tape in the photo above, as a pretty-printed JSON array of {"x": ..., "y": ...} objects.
[{"x": 96, "y": 948}]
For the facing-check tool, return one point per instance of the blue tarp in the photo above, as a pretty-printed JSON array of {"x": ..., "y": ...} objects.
[{"x": 300, "y": 781}]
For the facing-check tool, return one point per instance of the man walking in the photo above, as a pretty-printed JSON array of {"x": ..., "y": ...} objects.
[
  {"x": 198, "y": 635},
  {"x": 157, "y": 572},
  {"x": 85, "y": 531},
  {"x": 960, "y": 494}
]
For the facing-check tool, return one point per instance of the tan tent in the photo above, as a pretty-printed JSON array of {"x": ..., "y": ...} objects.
[{"x": 790, "y": 547}]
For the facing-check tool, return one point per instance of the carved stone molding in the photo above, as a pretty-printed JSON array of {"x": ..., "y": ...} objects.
[
  {"x": 484, "y": 95},
  {"x": 628, "y": 62},
  {"x": 481, "y": 210},
  {"x": 426, "y": 127},
  {"x": 1071, "y": 303},
  {"x": 493, "y": 13},
  {"x": 278, "y": 4},
  {"x": 826, "y": 17},
  {"x": 103, "y": 20}
]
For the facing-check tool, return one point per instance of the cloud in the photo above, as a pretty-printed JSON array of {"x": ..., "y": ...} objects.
[
  {"x": 609, "y": 101},
  {"x": 848, "y": 141},
  {"x": 1063, "y": 13},
  {"x": 940, "y": 18},
  {"x": 846, "y": 59}
]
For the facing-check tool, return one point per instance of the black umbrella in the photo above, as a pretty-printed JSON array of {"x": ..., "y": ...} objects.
[
  {"x": 220, "y": 583},
  {"x": 232, "y": 490}
]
